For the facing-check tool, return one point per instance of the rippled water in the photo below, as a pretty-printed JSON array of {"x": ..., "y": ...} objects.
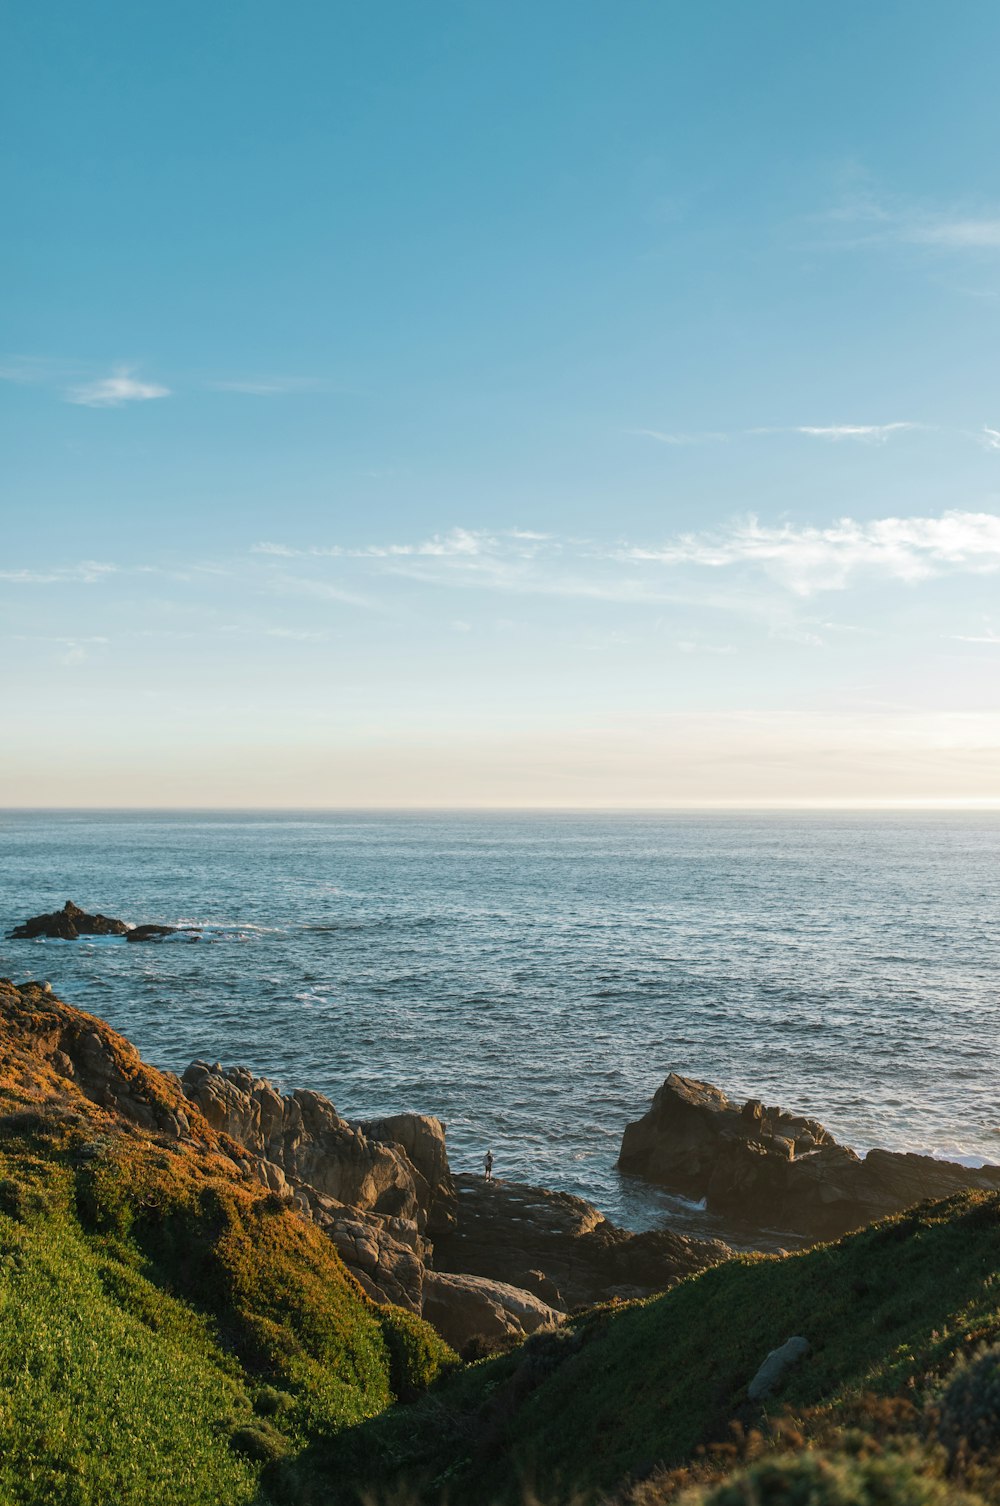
[{"x": 532, "y": 978}]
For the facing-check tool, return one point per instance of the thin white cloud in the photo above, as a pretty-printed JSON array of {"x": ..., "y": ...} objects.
[
  {"x": 464, "y": 543},
  {"x": 89, "y": 572},
  {"x": 267, "y": 386},
  {"x": 877, "y": 432},
  {"x": 873, "y": 433},
  {"x": 988, "y": 635},
  {"x": 958, "y": 234},
  {"x": 800, "y": 559},
  {"x": 115, "y": 391},
  {"x": 808, "y": 559},
  {"x": 661, "y": 436},
  {"x": 991, "y": 437},
  {"x": 871, "y": 219}
]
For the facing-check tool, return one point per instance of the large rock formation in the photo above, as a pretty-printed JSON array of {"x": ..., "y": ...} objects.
[
  {"x": 777, "y": 1171},
  {"x": 303, "y": 1137},
  {"x": 68, "y": 924},
  {"x": 421, "y": 1139},
  {"x": 560, "y": 1247}
]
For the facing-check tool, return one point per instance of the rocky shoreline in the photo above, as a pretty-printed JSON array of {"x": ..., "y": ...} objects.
[{"x": 486, "y": 1263}]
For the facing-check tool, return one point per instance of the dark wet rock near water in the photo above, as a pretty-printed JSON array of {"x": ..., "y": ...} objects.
[
  {"x": 157, "y": 933},
  {"x": 561, "y": 1247},
  {"x": 779, "y": 1171},
  {"x": 69, "y": 924}
]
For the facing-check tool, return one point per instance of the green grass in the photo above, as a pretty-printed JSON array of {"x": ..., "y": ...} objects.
[
  {"x": 886, "y": 1311},
  {"x": 168, "y": 1335}
]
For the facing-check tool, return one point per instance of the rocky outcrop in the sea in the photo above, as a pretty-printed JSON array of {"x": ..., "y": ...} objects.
[
  {"x": 68, "y": 924},
  {"x": 562, "y": 1248},
  {"x": 774, "y": 1170},
  {"x": 157, "y": 933}
]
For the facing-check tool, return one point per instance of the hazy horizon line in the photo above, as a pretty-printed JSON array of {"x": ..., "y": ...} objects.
[{"x": 930, "y": 803}]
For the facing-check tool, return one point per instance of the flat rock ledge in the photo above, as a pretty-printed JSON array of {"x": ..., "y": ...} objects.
[
  {"x": 777, "y": 1171},
  {"x": 561, "y": 1247}
]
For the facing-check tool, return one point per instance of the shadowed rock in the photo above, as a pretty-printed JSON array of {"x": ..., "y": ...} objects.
[
  {"x": 152, "y": 933},
  {"x": 68, "y": 924},
  {"x": 421, "y": 1138},
  {"x": 776, "y": 1170},
  {"x": 463, "y": 1308},
  {"x": 561, "y": 1247}
]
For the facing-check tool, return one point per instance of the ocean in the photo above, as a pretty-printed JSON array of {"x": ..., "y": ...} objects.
[{"x": 532, "y": 978}]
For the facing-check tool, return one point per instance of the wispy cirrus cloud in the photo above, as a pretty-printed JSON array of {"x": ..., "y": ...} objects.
[
  {"x": 801, "y": 559},
  {"x": 872, "y": 433},
  {"x": 707, "y": 436},
  {"x": 864, "y": 216},
  {"x": 87, "y": 572},
  {"x": 461, "y": 543},
  {"x": 809, "y": 559},
  {"x": 115, "y": 391},
  {"x": 877, "y": 432}
]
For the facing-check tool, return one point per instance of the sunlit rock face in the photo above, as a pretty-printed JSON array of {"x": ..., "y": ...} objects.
[{"x": 773, "y": 1170}]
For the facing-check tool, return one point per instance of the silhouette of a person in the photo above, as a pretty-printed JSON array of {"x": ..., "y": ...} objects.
[{"x": 488, "y": 1165}]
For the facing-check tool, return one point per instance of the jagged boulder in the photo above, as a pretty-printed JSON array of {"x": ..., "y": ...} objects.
[
  {"x": 303, "y": 1134},
  {"x": 463, "y": 1307},
  {"x": 422, "y": 1138},
  {"x": 778, "y": 1171},
  {"x": 68, "y": 924}
]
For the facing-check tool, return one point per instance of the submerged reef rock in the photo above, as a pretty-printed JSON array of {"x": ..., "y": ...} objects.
[
  {"x": 154, "y": 933},
  {"x": 69, "y": 924},
  {"x": 775, "y": 1170}
]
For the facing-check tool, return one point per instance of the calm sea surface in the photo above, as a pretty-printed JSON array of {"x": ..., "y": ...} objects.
[{"x": 533, "y": 978}]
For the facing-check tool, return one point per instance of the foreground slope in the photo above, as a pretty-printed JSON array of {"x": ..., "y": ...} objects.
[
  {"x": 169, "y": 1330},
  {"x": 627, "y": 1390}
]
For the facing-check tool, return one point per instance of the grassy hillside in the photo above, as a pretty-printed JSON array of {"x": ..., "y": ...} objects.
[
  {"x": 624, "y": 1391},
  {"x": 169, "y": 1332}
]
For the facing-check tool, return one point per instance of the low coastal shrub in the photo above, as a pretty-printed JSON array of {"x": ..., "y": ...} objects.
[
  {"x": 821, "y": 1479},
  {"x": 969, "y": 1417}
]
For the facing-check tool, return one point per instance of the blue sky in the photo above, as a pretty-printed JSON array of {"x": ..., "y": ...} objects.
[{"x": 526, "y": 404}]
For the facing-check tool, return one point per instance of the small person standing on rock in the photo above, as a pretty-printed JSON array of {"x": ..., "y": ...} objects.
[{"x": 488, "y": 1165}]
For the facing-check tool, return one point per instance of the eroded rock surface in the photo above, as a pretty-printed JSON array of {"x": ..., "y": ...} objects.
[
  {"x": 776, "y": 1170},
  {"x": 422, "y": 1139},
  {"x": 302, "y": 1134},
  {"x": 561, "y": 1247},
  {"x": 464, "y": 1307}
]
